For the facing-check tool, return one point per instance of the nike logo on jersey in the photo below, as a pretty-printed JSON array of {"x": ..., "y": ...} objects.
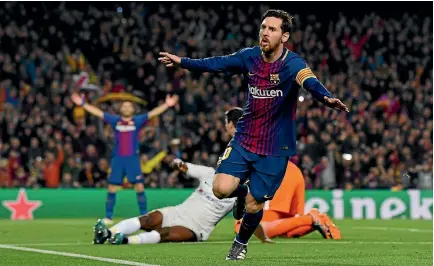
[{"x": 251, "y": 74}]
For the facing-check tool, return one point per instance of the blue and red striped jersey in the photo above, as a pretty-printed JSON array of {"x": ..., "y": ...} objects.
[
  {"x": 267, "y": 126},
  {"x": 126, "y": 133}
]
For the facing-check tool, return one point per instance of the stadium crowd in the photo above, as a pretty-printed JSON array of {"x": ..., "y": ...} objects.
[{"x": 381, "y": 66}]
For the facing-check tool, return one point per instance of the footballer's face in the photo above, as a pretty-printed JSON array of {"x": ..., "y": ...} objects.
[
  {"x": 230, "y": 128},
  {"x": 127, "y": 109},
  {"x": 271, "y": 35}
]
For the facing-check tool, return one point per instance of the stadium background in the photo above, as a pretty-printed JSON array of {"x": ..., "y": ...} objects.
[
  {"x": 379, "y": 63},
  {"x": 54, "y": 158}
]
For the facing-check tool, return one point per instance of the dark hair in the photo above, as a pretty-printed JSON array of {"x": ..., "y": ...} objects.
[
  {"x": 283, "y": 15},
  {"x": 233, "y": 115}
]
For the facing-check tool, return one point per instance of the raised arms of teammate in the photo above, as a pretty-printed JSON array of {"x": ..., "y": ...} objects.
[
  {"x": 233, "y": 63},
  {"x": 78, "y": 100},
  {"x": 170, "y": 102},
  {"x": 307, "y": 80}
]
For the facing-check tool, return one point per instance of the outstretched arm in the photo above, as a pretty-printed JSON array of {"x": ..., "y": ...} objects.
[
  {"x": 233, "y": 63},
  {"x": 61, "y": 155},
  {"x": 78, "y": 100},
  {"x": 307, "y": 80},
  {"x": 199, "y": 172},
  {"x": 170, "y": 102}
]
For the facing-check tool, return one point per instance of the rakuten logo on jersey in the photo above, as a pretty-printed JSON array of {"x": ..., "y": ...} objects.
[
  {"x": 125, "y": 128},
  {"x": 264, "y": 94}
]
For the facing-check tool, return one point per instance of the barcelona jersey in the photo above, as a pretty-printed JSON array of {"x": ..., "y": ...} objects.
[{"x": 268, "y": 124}]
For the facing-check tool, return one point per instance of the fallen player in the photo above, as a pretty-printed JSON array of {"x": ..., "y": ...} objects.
[{"x": 192, "y": 220}]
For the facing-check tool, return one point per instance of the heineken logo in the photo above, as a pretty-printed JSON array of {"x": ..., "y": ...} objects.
[{"x": 408, "y": 204}]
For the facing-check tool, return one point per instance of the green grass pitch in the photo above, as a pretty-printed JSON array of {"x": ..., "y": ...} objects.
[{"x": 393, "y": 242}]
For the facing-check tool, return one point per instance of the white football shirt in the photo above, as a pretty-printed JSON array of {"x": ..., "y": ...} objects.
[{"x": 202, "y": 206}]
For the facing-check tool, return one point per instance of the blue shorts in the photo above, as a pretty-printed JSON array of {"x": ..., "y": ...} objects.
[
  {"x": 265, "y": 172},
  {"x": 122, "y": 166}
]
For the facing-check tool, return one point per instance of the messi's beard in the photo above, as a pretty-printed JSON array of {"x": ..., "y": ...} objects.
[{"x": 269, "y": 49}]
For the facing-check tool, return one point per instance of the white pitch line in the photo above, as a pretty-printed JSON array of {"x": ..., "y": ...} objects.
[
  {"x": 413, "y": 230},
  {"x": 74, "y": 255},
  {"x": 50, "y": 244},
  {"x": 251, "y": 242}
]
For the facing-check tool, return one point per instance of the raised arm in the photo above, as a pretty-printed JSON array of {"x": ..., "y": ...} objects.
[
  {"x": 78, "y": 100},
  {"x": 365, "y": 38},
  {"x": 61, "y": 155},
  {"x": 170, "y": 102},
  {"x": 233, "y": 63},
  {"x": 199, "y": 172},
  {"x": 306, "y": 79}
]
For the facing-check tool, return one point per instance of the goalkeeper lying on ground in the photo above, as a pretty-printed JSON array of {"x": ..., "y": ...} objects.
[{"x": 285, "y": 216}]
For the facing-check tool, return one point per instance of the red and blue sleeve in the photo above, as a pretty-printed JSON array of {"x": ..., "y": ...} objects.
[
  {"x": 140, "y": 120},
  {"x": 304, "y": 77},
  {"x": 111, "y": 119},
  {"x": 233, "y": 63}
]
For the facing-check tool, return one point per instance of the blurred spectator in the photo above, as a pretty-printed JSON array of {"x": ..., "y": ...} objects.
[
  {"x": 68, "y": 181},
  {"x": 90, "y": 176},
  {"x": 5, "y": 178},
  {"x": 21, "y": 178},
  {"x": 379, "y": 63},
  {"x": 52, "y": 167}
]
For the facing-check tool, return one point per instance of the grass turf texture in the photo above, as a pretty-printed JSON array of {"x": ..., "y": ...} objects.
[{"x": 393, "y": 242}]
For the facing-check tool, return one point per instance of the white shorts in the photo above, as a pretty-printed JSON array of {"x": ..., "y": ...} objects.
[{"x": 175, "y": 216}]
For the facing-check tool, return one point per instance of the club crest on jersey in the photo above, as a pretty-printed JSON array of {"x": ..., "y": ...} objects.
[{"x": 274, "y": 78}]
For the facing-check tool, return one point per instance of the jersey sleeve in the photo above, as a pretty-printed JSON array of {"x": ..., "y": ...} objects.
[
  {"x": 111, "y": 119},
  {"x": 303, "y": 75},
  {"x": 200, "y": 172},
  {"x": 140, "y": 120},
  {"x": 233, "y": 63}
]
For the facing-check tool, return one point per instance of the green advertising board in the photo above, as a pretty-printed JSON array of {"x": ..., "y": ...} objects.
[{"x": 90, "y": 203}]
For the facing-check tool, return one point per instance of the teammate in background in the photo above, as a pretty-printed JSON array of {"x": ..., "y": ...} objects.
[
  {"x": 284, "y": 214},
  {"x": 265, "y": 137},
  {"x": 125, "y": 158},
  {"x": 193, "y": 220}
]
